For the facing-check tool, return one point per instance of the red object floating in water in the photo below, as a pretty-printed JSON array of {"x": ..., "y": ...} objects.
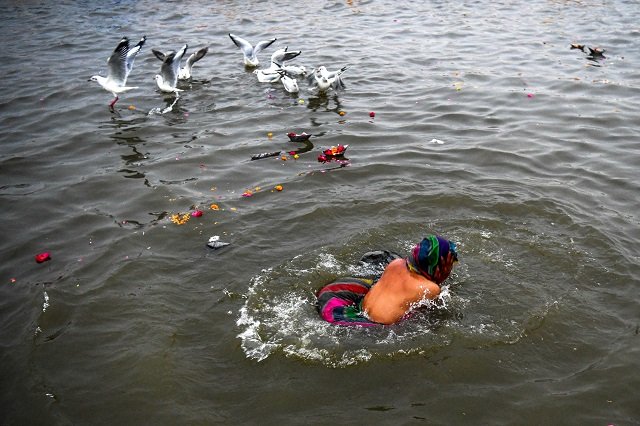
[
  {"x": 196, "y": 213},
  {"x": 372, "y": 114},
  {"x": 332, "y": 153},
  {"x": 43, "y": 257}
]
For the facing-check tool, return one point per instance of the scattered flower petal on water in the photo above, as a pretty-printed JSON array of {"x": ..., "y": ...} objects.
[{"x": 43, "y": 257}]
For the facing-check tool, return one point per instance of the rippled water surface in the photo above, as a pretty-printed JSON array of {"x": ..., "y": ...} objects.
[{"x": 488, "y": 129}]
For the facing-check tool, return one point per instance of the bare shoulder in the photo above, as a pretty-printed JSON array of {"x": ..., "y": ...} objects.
[
  {"x": 423, "y": 286},
  {"x": 397, "y": 264},
  {"x": 431, "y": 290}
]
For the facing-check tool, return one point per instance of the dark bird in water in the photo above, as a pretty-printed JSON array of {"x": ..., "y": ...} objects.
[{"x": 596, "y": 52}]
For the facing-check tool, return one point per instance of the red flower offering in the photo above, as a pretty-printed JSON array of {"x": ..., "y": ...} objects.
[{"x": 43, "y": 257}]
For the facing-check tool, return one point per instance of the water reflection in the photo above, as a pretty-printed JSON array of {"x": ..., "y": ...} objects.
[{"x": 326, "y": 102}]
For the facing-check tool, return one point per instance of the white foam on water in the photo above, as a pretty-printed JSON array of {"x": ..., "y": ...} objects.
[{"x": 45, "y": 304}]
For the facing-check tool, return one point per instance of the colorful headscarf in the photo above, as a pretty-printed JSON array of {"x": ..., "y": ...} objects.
[{"x": 427, "y": 254}]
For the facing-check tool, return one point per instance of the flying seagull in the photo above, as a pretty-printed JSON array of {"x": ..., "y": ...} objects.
[
  {"x": 249, "y": 51},
  {"x": 120, "y": 64}
]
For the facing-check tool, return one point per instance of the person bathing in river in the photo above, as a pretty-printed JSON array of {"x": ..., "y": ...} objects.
[{"x": 403, "y": 284}]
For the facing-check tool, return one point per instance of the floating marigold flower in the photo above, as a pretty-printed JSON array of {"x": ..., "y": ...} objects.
[
  {"x": 278, "y": 188},
  {"x": 214, "y": 207},
  {"x": 180, "y": 219}
]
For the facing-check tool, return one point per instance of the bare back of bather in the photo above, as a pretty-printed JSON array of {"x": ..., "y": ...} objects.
[{"x": 396, "y": 292}]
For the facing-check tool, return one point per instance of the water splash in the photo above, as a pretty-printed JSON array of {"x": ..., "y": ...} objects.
[{"x": 279, "y": 316}]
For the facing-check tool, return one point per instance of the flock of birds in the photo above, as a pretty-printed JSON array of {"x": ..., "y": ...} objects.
[{"x": 120, "y": 64}]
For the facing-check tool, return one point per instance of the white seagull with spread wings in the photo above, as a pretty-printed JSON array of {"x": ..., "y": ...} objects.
[
  {"x": 249, "y": 51},
  {"x": 167, "y": 80},
  {"x": 278, "y": 59},
  {"x": 325, "y": 79},
  {"x": 184, "y": 73},
  {"x": 120, "y": 64}
]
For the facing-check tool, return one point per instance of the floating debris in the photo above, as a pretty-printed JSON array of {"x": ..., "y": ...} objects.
[
  {"x": 265, "y": 155},
  {"x": 302, "y": 137},
  {"x": 43, "y": 257},
  {"x": 180, "y": 219},
  {"x": 215, "y": 243}
]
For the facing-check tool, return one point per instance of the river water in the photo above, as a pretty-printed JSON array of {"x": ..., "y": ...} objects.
[{"x": 488, "y": 129}]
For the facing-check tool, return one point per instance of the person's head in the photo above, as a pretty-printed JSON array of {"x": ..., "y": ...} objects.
[{"x": 433, "y": 258}]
